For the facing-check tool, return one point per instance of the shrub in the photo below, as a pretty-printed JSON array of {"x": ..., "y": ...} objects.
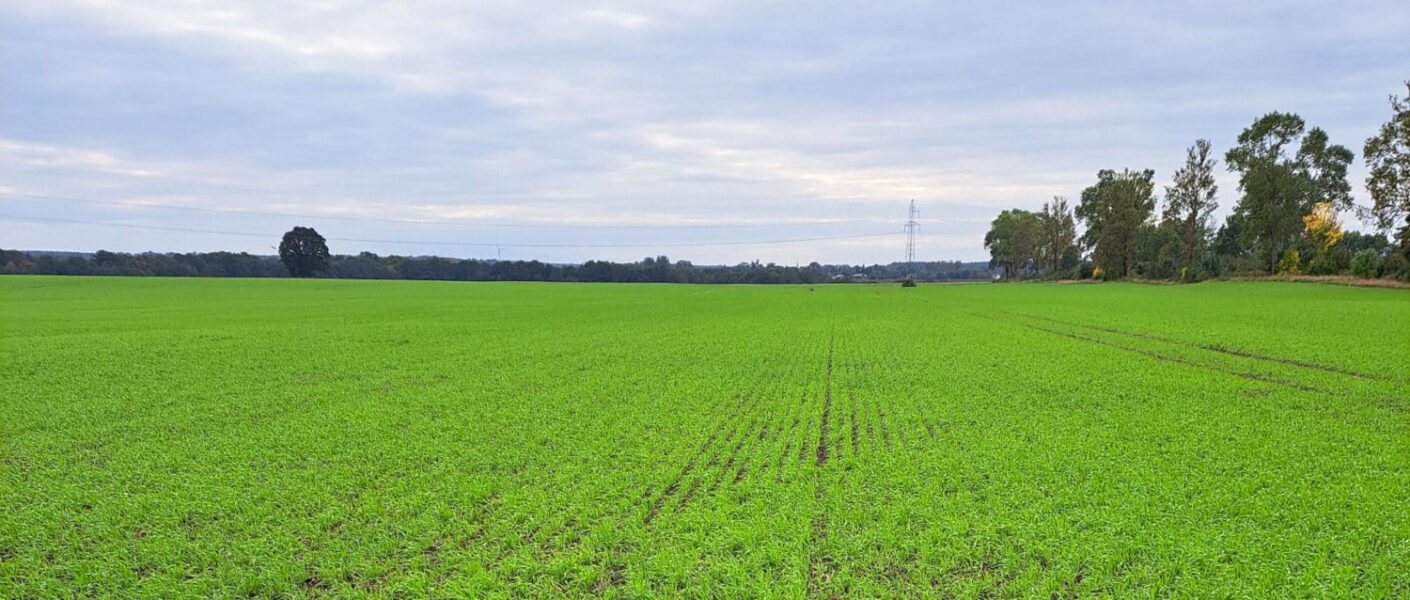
[
  {"x": 1365, "y": 264},
  {"x": 1290, "y": 263},
  {"x": 1323, "y": 264},
  {"x": 1249, "y": 265},
  {"x": 1396, "y": 266}
]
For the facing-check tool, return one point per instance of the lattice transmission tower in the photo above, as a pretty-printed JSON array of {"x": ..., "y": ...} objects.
[{"x": 911, "y": 226}]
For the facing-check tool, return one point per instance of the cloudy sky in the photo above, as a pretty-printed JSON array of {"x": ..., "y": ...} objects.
[{"x": 574, "y": 131}]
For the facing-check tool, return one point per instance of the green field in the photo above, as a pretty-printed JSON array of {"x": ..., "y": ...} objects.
[{"x": 285, "y": 438}]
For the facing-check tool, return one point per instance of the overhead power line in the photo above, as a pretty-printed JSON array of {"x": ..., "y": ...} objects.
[
  {"x": 449, "y": 243},
  {"x": 459, "y": 223}
]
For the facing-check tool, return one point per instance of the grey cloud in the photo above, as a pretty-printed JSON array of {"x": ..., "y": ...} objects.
[{"x": 639, "y": 113}]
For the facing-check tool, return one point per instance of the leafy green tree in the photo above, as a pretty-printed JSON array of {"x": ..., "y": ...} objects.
[
  {"x": 1399, "y": 266},
  {"x": 1114, "y": 211},
  {"x": 17, "y": 263},
  {"x": 1057, "y": 231},
  {"x": 1365, "y": 264},
  {"x": 1228, "y": 241},
  {"x": 1356, "y": 241},
  {"x": 1011, "y": 241},
  {"x": 1279, "y": 187},
  {"x": 1189, "y": 203},
  {"x": 1388, "y": 158},
  {"x": 1155, "y": 258},
  {"x": 304, "y": 252},
  {"x": 1069, "y": 262}
]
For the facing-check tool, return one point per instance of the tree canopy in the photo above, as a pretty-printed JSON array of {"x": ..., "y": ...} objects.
[
  {"x": 1279, "y": 185},
  {"x": 1388, "y": 160},
  {"x": 367, "y": 265},
  {"x": 1114, "y": 210},
  {"x": 1292, "y": 184},
  {"x": 304, "y": 252},
  {"x": 1057, "y": 236},
  {"x": 1011, "y": 241},
  {"x": 1189, "y": 203}
]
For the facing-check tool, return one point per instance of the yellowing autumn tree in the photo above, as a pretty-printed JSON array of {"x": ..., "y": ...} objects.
[{"x": 1322, "y": 227}]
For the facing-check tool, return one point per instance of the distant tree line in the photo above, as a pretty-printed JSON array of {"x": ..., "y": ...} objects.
[
  {"x": 1292, "y": 186},
  {"x": 371, "y": 266}
]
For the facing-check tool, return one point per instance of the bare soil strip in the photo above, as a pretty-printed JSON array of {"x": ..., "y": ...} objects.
[
  {"x": 1181, "y": 361},
  {"x": 820, "y": 566},
  {"x": 670, "y": 489},
  {"x": 871, "y": 424},
  {"x": 827, "y": 408},
  {"x": 689, "y": 494},
  {"x": 761, "y": 438},
  {"x": 1220, "y": 349},
  {"x": 788, "y": 445},
  {"x": 729, "y": 464},
  {"x": 899, "y": 426},
  {"x": 885, "y": 429},
  {"x": 744, "y": 431},
  {"x": 775, "y": 429},
  {"x": 856, "y": 444},
  {"x": 482, "y": 510},
  {"x": 782, "y": 459},
  {"x": 675, "y": 484},
  {"x": 714, "y": 460}
]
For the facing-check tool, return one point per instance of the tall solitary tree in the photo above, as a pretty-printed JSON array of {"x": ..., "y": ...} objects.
[
  {"x": 304, "y": 252},
  {"x": 1190, "y": 202},
  {"x": 1115, "y": 210},
  {"x": 1280, "y": 187},
  {"x": 1056, "y": 232}
]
